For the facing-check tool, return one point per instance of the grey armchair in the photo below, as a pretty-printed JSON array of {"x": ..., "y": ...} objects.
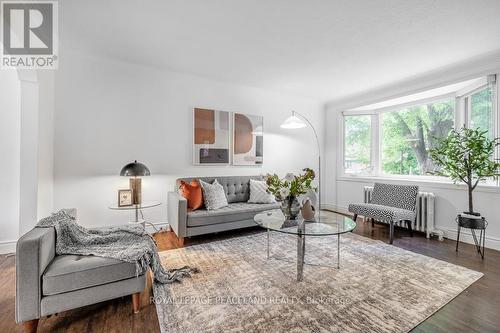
[{"x": 47, "y": 283}]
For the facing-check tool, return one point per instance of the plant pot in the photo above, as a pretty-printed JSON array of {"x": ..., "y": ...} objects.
[{"x": 290, "y": 207}]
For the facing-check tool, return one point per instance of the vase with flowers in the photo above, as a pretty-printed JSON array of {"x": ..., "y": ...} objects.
[{"x": 286, "y": 190}]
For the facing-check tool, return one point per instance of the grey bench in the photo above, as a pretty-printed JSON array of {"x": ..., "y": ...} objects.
[{"x": 389, "y": 204}]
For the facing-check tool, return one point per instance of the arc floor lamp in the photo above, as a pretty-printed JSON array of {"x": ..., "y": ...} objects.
[{"x": 296, "y": 121}]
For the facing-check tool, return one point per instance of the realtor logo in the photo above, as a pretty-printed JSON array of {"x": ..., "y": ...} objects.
[{"x": 29, "y": 34}]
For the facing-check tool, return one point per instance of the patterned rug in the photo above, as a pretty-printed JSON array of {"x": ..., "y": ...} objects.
[{"x": 379, "y": 287}]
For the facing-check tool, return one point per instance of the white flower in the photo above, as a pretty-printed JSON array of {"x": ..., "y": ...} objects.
[
  {"x": 284, "y": 192},
  {"x": 289, "y": 177}
]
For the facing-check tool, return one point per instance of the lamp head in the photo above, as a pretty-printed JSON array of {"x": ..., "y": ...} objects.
[
  {"x": 293, "y": 122},
  {"x": 135, "y": 169}
]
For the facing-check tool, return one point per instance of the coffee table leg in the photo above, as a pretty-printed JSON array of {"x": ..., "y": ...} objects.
[
  {"x": 301, "y": 247},
  {"x": 338, "y": 251}
]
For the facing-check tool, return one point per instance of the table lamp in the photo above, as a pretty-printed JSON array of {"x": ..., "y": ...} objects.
[{"x": 135, "y": 170}]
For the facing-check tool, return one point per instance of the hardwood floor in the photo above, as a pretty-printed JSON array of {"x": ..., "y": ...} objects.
[{"x": 477, "y": 309}]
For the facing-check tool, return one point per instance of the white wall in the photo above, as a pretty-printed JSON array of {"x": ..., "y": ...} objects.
[
  {"x": 46, "y": 104},
  {"x": 451, "y": 199},
  {"x": 109, "y": 113},
  {"x": 10, "y": 121}
]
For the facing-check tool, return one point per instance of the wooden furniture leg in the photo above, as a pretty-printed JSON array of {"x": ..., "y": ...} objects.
[
  {"x": 136, "y": 302},
  {"x": 30, "y": 326}
]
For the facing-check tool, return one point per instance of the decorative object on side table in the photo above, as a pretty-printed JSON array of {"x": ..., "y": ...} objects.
[
  {"x": 135, "y": 170},
  {"x": 473, "y": 223},
  {"x": 124, "y": 198},
  {"x": 294, "y": 122},
  {"x": 287, "y": 190},
  {"x": 466, "y": 156}
]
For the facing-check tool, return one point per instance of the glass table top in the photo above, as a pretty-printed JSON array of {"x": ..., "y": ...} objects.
[
  {"x": 326, "y": 223},
  {"x": 146, "y": 204}
]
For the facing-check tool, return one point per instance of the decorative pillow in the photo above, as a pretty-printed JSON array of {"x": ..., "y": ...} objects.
[
  {"x": 192, "y": 193},
  {"x": 213, "y": 195},
  {"x": 258, "y": 192}
]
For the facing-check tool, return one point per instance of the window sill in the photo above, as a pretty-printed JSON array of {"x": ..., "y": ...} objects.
[{"x": 433, "y": 183}]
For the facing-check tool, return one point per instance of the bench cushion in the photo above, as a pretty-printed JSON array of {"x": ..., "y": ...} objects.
[
  {"x": 381, "y": 213},
  {"x": 233, "y": 212},
  {"x": 72, "y": 272}
]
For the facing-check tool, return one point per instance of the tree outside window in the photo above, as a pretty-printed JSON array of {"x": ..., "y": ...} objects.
[
  {"x": 409, "y": 134},
  {"x": 357, "y": 144},
  {"x": 481, "y": 115}
]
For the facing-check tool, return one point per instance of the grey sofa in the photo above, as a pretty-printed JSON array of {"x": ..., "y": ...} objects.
[
  {"x": 239, "y": 213},
  {"x": 389, "y": 204},
  {"x": 47, "y": 283}
]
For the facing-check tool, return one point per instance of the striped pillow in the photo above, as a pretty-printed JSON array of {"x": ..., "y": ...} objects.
[{"x": 258, "y": 192}]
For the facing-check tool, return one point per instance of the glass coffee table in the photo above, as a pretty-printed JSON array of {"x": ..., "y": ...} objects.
[{"x": 325, "y": 224}]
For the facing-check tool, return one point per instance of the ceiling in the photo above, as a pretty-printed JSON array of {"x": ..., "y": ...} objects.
[{"x": 321, "y": 49}]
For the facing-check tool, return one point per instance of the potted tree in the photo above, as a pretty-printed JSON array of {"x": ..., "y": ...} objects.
[{"x": 466, "y": 155}]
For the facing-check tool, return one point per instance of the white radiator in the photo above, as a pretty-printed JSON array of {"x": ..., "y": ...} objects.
[{"x": 425, "y": 213}]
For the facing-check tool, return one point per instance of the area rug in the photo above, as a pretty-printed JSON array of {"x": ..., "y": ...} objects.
[{"x": 378, "y": 288}]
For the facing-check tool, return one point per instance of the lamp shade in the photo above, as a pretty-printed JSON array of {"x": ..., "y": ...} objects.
[
  {"x": 293, "y": 122},
  {"x": 135, "y": 169}
]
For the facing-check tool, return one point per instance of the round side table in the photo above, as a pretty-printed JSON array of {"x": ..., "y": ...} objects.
[
  {"x": 473, "y": 224},
  {"x": 138, "y": 210}
]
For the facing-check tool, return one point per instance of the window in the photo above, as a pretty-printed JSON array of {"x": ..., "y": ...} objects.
[
  {"x": 481, "y": 110},
  {"x": 394, "y": 137},
  {"x": 357, "y": 144},
  {"x": 408, "y": 134}
]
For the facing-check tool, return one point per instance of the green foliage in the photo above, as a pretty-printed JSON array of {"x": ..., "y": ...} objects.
[
  {"x": 482, "y": 111},
  {"x": 466, "y": 156},
  {"x": 358, "y": 140},
  {"x": 408, "y": 134},
  {"x": 291, "y": 186}
]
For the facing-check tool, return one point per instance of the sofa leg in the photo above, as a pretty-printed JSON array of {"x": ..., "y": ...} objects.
[
  {"x": 373, "y": 222},
  {"x": 391, "y": 232},
  {"x": 30, "y": 326},
  {"x": 355, "y": 217},
  {"x": 136, "y": 302}
]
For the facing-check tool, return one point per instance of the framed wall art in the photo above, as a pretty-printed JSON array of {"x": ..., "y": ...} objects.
[
  {"x": 248, "y": 139},
  {"x": 211, "y": 137}
]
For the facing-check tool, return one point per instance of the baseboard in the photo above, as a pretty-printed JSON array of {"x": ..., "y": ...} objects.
[
  {"x": 466, "y": 237},
  {"x": 158, "y": 226},
  {"x": 336, "y": 208},
  {"x": 8, "y": 247}
]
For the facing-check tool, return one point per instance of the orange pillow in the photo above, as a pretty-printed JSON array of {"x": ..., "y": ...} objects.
[{"x": 192, "y": 193}]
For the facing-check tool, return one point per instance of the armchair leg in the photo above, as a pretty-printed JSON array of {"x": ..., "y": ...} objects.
[
  {"x": 136, "y": 302},
  {"x": 354, "y": 218},
  {"x": 30, "y": 326},
  {"x": 391, "y": 232},
  {"x": 373, "y": 222},
  {"x": 408, "y": 223}
]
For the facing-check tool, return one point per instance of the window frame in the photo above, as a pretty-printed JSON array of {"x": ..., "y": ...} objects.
[{"x": 462, "y": 117}]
